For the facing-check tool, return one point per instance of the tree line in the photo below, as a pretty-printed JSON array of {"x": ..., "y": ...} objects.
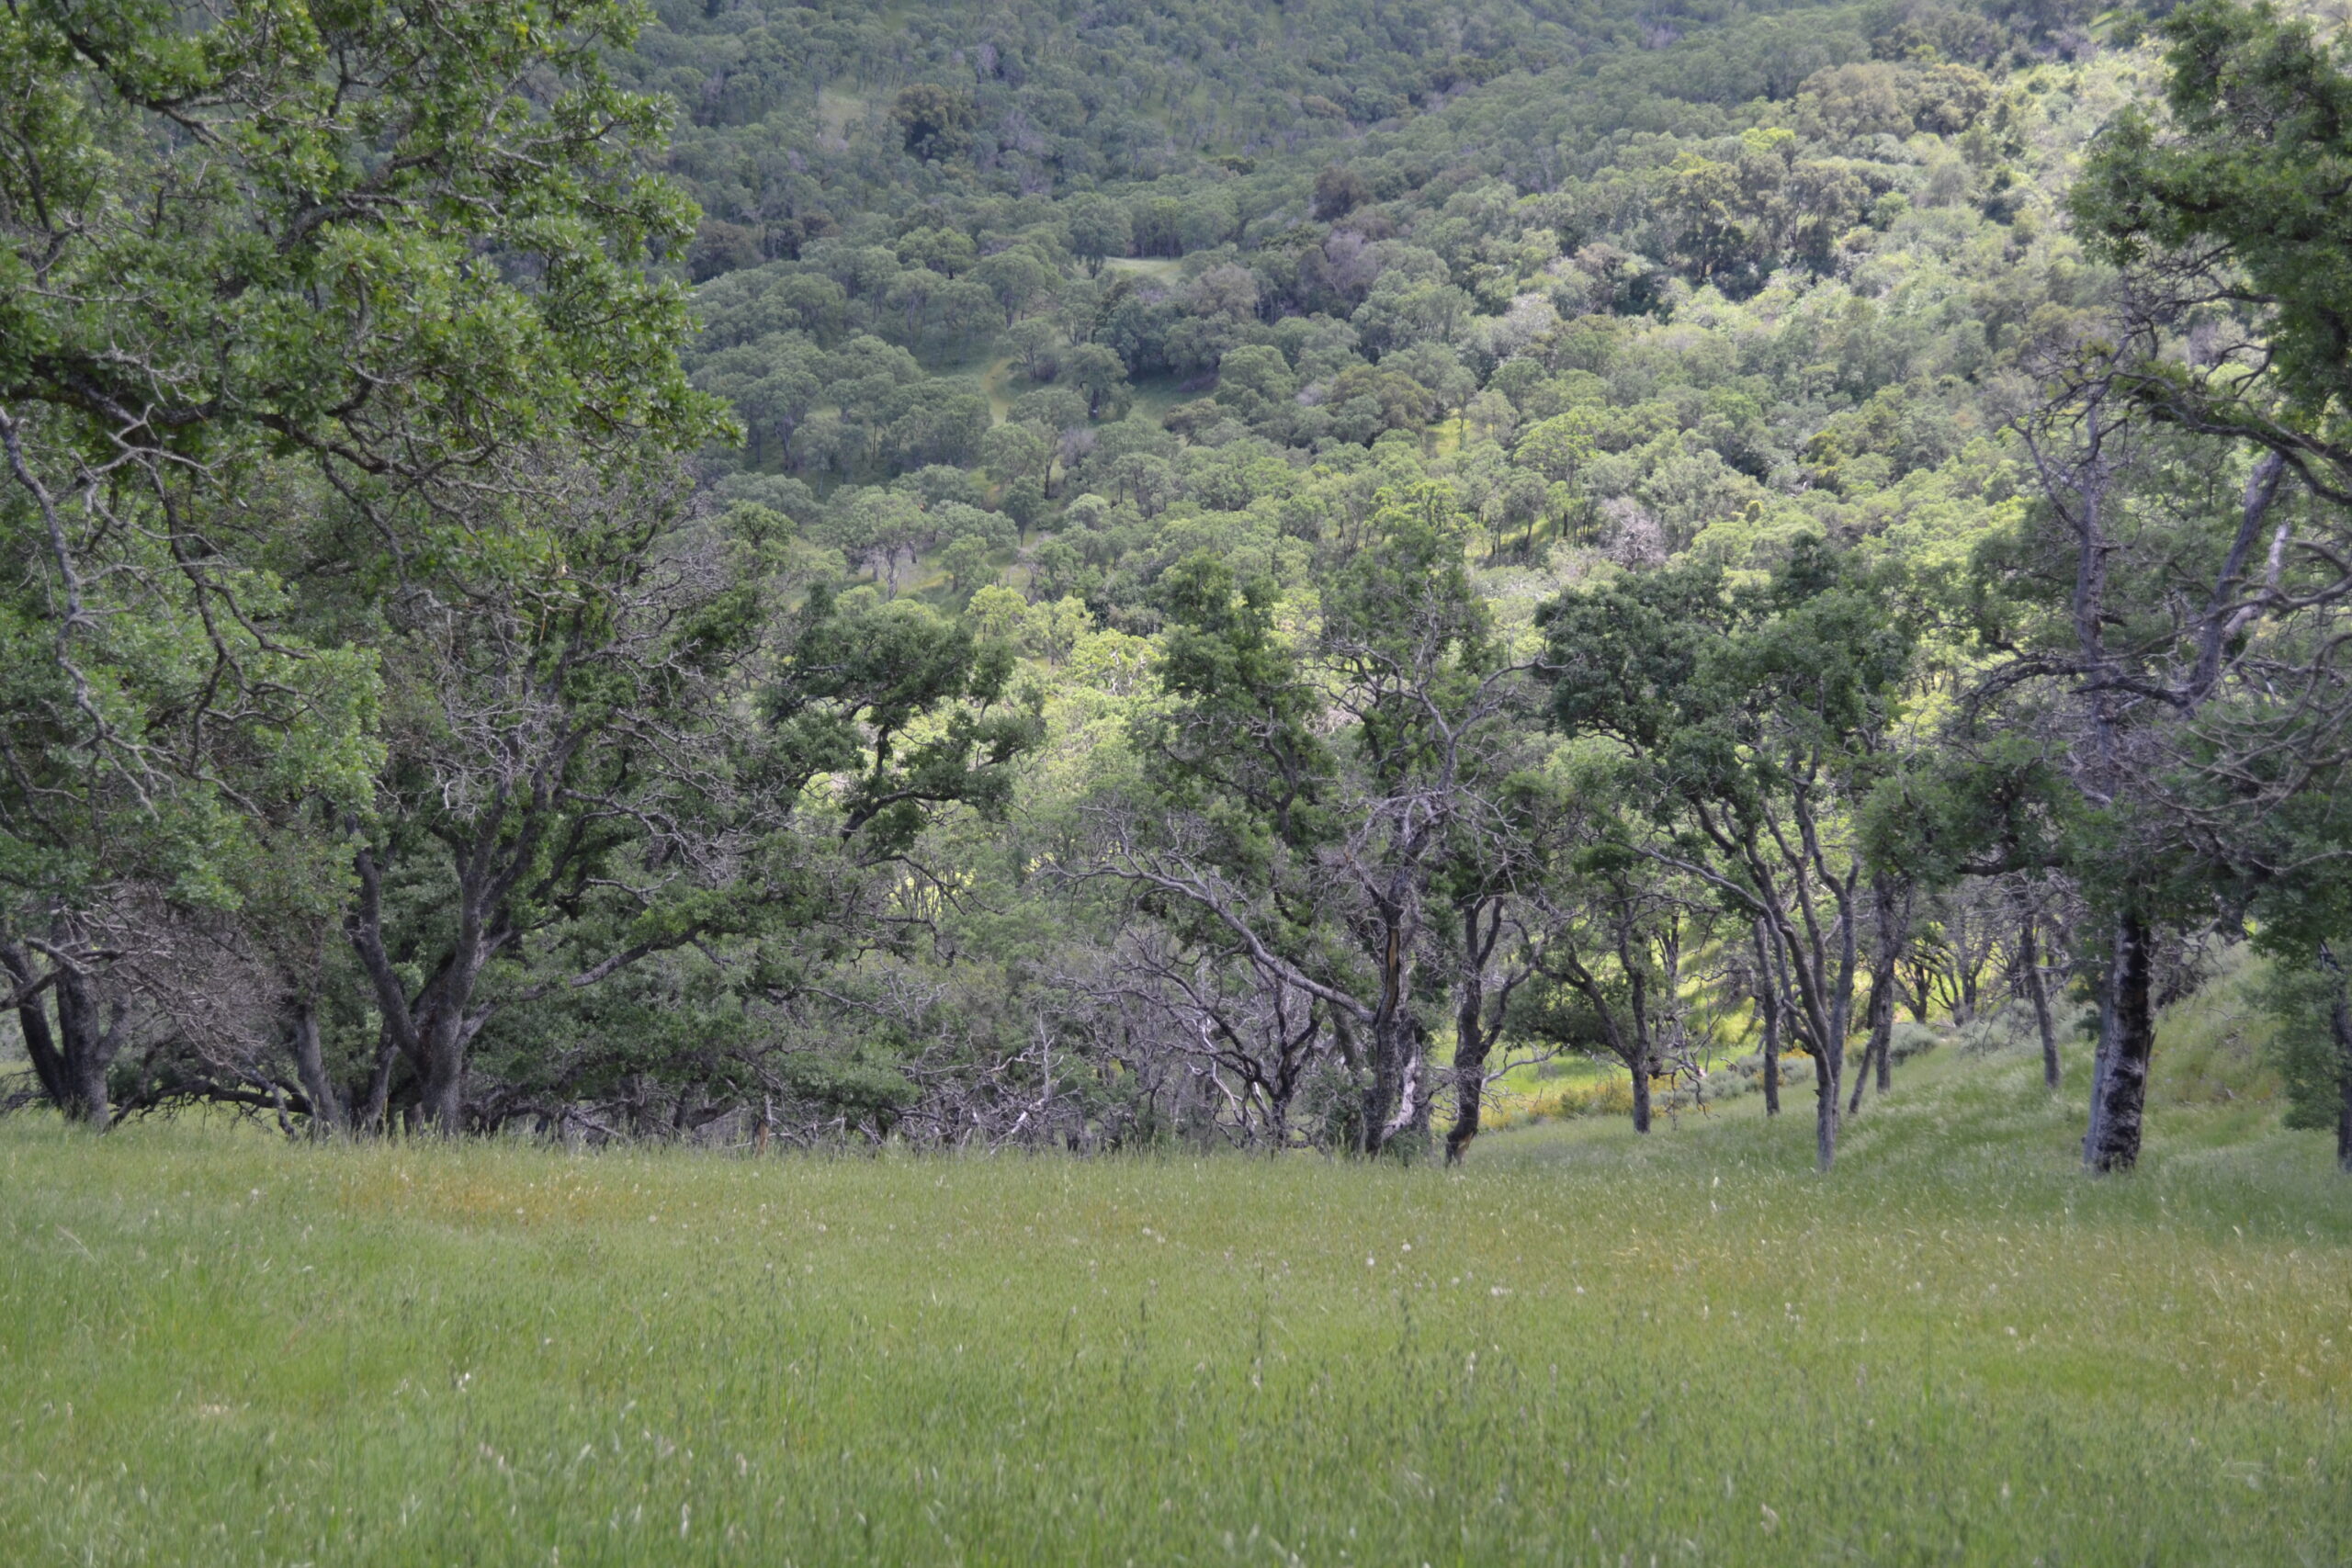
[{"x": 1185, "y": 628}]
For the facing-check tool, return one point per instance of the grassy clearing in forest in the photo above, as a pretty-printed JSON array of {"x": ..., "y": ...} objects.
[
  {"x": 217, "y": 1348},
  {"x": 836, "y": 109},
  {"x": 1160, "y": 269}
]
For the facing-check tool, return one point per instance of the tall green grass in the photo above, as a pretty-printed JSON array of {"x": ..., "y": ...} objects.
[{"x": 216, "y": 1348}]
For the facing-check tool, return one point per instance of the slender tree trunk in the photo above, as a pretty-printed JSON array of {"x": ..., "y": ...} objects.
[
  {"x": 2128, "y": 1032},
  {"x": 1880, "y": 1011},
  {"x": 1892, "y": 905},
  {"x": 2339, "y": 1020},
  {"x": 1825, "y": 1065},
  {"x": 1380, "y": 1092},
  {"x": 1922, "y": 997},
  {"x": 1641, "y": 1093},
  {"x": 1470, "y": 1048},
  {"x": 1420, "y": 1075},
  {"x": 1768, "y": 997},
  {"x": 32, "y": 1020},
  {"x": 379, "y": 1086},
  {"x": 1393, "y": 1100},
  {"x": 2038, "y": 990},
  {"x": 2344, "y": 1123},
  {"x": 2343, "y": 1116},
  {"x": 2102, "y": 1056},
  {"x": 327, "y": 1117}
]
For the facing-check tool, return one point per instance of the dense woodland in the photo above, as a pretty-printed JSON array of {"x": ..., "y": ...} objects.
[{"x": 1226, "y": 573}]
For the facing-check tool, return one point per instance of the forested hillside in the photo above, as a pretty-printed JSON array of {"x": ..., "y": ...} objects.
[{"x": 1237, "y": 573}]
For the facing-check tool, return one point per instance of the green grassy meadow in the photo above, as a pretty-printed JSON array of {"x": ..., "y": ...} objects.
[{"x": 219, "y": 1348}]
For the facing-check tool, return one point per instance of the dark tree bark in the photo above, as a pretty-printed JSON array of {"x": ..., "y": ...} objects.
[
  {"x": 1886, "y": 1048},
  {"x": 2124, "y": 695},
  {"x": 71, "y": 1059},
  {"x": 1472, "y": 1041},
  {"x": 1969, "y": 949},
  {"x": 1823, "y": 969},
  {"x": 2127, "y": 1040},
  {"x": 2127, "y": 1015},
  {"x": 32, "y": 1020},
  {"x": 1394, "y": 1099},
  {"x": 1894, "y": 899},
  {"x": 1921, "y": 987},
  {"x": 1471, "y": 1048},
  {"x": 2343, "y": 1107},
  {"x": 1477, "y": 1020},
  {"x": 2037, "y": 989},
  {"x": 1630, "y": 1036},
  {"x": 1809, "y": 909},
  {"x": 328, "y": 1116},
  {"x": 72, "y": 1056},
  {"x": 1878, "y": 1010},
  {"x": 1768, "y": 999},
  {"x": 1826, "y": 1067},
  {"x": 379, "y": 1086}
]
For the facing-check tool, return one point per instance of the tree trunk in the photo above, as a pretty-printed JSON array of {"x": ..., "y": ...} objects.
[
  {"x": 2344, "y": 1119},
  {"x": 379, "y": 1086},
  {"x": 327, "y": 1117},
  {"x": 70, "y": 1060},
  {"x": 86, "y": 1049},
  {"x": 1642, "y": 1095},
  {"x": 1923, "y": 992},
  {"x": 1880, "y": 1011},
  {"x": 2127, "y": 1037},
  {"x": 1392, "y": 1099},
  {"x": 1420, "y": 1072},
  {"x": 1470, "y": 1047},
  {"x": 32, "y": 1020},
  {"x": 1826, "y": 1074},
  {"x": 1892, "y": 907},
  {"x": 2037, "y": 992},
  {"x": 2339, "y": 1020},
  {"x": 1768, "y": 997},
  {"x": 443, "y": 1102}
]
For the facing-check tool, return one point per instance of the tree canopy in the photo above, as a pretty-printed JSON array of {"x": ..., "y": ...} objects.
[{"x": 1251, "y": 573}]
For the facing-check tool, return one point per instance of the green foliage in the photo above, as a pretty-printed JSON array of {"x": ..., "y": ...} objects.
[
  {"x": 319, "y": 167},
  {"x": 2309, "y": 1050},
  {"x": 1244, "y": 717},
  {"x": 847, "y": 701},
  {"x": 1209, "y": 409},
  {"x": 244, "y": 298},
  {"x": 2260, "y": 123},
  {"x": 937, "y": 121},
  {"x": 1729, "y": 694}
]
